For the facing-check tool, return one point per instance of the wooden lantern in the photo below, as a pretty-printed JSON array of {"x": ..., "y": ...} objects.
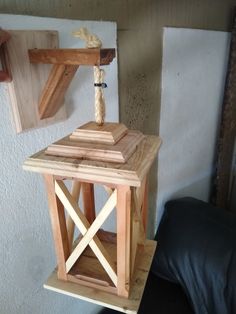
[{"x": 99, "y": 266}]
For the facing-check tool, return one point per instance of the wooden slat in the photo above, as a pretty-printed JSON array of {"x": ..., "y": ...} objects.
[
  {"x": 126, "y": 305},
  {"x": 145, "y": 208},
  {"x": 76, "y": 185},
  {"x": 119, "y": 152},
  {"x": 89, "y": 271},
  {"x": 29, "y": 79},
  {"x": 88, "y": 200},
  {"x": 72, "y": 56},
  {"x": 130, "y": 173},
  {"x": 5, "y": 72},
  {"x": 83, "y": 225},
  {"x": 58, "y": 222},
  {"x": 101, "y": 217},
  {"x": 123, "y": 240},
  {"x": 227, "y": 134},
  {"x": 53, "y": 94}
]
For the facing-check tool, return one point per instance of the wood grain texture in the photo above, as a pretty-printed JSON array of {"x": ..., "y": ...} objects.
[
  {"x": 92, "y": 230},
  {"x": 83, "y": 225},
  {"x": 53, "y": 93},
  {"x": 76, "y": 187},
  {"x": 29, "y": 80},
  {"x": 108, "y": 133},
  {"x": 88, "y": 271},
  {"x": 58, "y": 222},
  {"x": 102, "y": 298},
  {"x": 227, "y": 135},
  {"x": 72, "y": 56},
  {"x": 131, "y": 173},
  {"x": 123, "y": 215},
  {"x": 119, "y": 152},
  {"x": 5, "y": 72},
  {"x": 88, "y": 201}
]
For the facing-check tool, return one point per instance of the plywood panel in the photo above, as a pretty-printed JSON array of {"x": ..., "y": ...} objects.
[{"x": 29, "y": 79}]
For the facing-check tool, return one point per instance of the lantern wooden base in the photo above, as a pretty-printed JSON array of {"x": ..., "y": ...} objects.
[{"x": 130, "y": 305}]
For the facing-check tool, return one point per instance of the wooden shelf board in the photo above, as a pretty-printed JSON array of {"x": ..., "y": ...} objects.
[
  {"x": 72, "y": 56},
  {"x": 130, "y": 305}
]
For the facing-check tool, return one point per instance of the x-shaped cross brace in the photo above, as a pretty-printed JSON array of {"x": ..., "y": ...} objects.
[{"x": 88, "y": 232}]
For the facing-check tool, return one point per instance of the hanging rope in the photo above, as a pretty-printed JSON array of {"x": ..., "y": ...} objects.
[
  {"x": 99, "y": 97},
  {"x": 92, "y": 41}
]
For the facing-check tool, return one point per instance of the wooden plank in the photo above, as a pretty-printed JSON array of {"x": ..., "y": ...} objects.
[
  {"x": 130, "y": 173},
  {"x": 5, "y": 72},
  {"x": 119, "y": 152},
  {"x": 123, "y": 240},
  {"x": 135, "y": 227},
  {"x": 76, "y": 185},
  {"x": 83, "y": 225},
  {"x": 88, "y": 236},
  {"x": 53, "y": 93},
  {"x": 58, "y": 222},
  {"x": 144, "y": 211},
  {"x": 88, "y": 200},
  {"x": 108, "y": 133},
  {"x": 227, "y": 134},
  {"x": 28, "y": 79},
  {"x": 72, "y": 56},
  {"x": 102, "y": 298}
]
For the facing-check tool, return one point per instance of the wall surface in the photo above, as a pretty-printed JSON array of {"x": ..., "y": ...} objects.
[{"x": 26, "y": 245}]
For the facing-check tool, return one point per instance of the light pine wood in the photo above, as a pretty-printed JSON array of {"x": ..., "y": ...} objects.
[
  {"x": 126, "y": 305},
  {"x": 145, "y": 208},
  {"x": 130, "y": 173},
  {"x": 88, "y": 270},
  {"x": 72, "y": 56},
  {"x": 83, "y": 225},
  {"x": 76, "y": 186},
  {"x": 101, "y": 217},
  {"x": 29, "y": 80},
  {"x": 108, "y": 133},
  {"x": 119, "y": 152},
  {"x": 138, "y": 219},
  {"x": 88, "y": 200},
  {"x": 135, "y": 225},
  {"x": 52, "y": 97},
  {"x": 58, "y": 222},
  {"x": 108, "y": 189},
  {"x": 123, "y": 240}
]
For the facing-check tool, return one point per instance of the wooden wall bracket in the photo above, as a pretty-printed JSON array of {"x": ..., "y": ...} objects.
[{"x": 65, "y": 64}]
